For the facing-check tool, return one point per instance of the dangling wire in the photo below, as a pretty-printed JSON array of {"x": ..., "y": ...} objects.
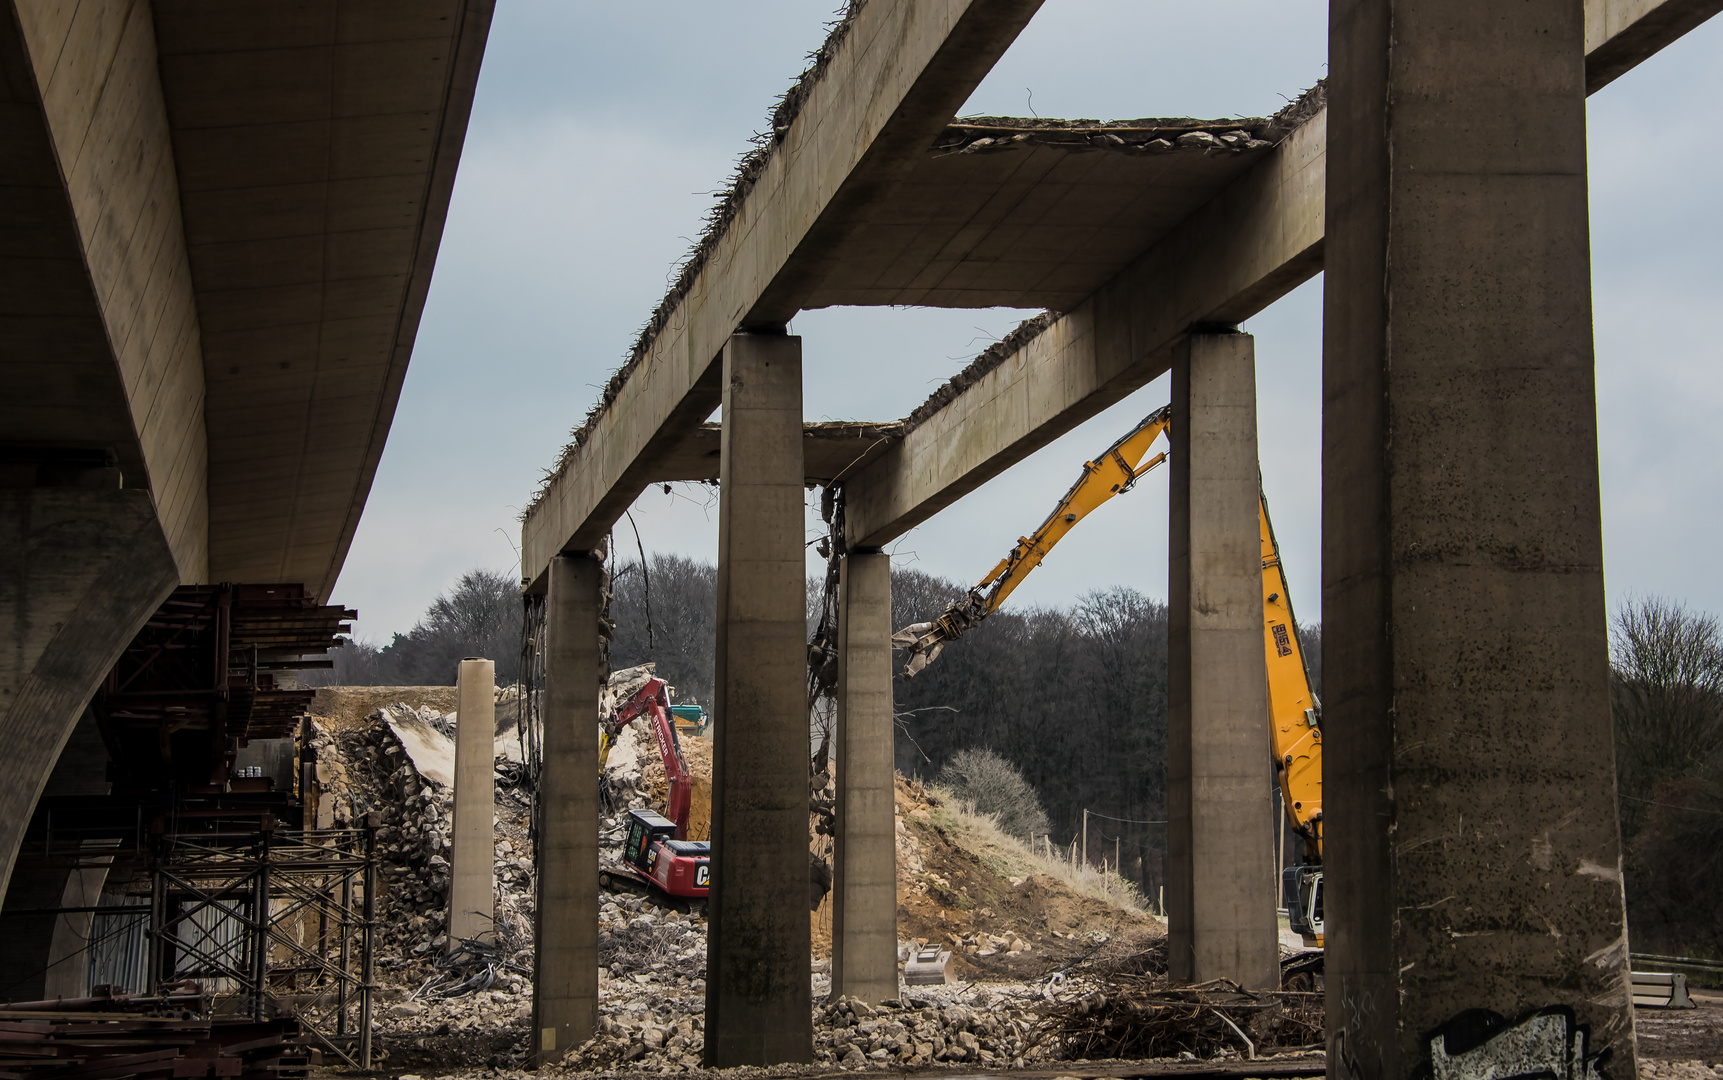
[
  {"x": 529, "y": 720},
  {"x": 645, "y": 576}
]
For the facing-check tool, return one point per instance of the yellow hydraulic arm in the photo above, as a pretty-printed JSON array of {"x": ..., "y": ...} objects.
[
  {"x": 1108, "y": 475},
  {"x": 1294, "y": 714}
]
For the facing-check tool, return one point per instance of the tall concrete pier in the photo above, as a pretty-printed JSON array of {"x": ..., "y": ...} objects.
[
  {"x": 1474, "y": 885},
  {"x": 1220, "y": 854},
  {"x": 472, "y": 849},
  {"x": 565, "y": 977},
  {"x": 758, "y": 996},
  {"x": 864, "y": 889}
]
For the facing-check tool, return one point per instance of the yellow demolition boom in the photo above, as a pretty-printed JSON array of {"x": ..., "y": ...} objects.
[
  {"x": 1110, "y": 474},
  {"x": 1295, "y": 715}
]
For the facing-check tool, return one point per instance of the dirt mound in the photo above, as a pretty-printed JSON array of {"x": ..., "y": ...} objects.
[
  {"x": 968, "y": 892},
  {"x": 697, "y": 752},
  {"x": 348, "y": 707},
  {"x": 352, "y": 706}
]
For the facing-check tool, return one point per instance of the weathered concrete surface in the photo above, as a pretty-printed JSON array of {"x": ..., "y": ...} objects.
[
  {"x": 565, "y": 976},
  {"x": 830, "y": 451},
  {"x": 1620, "y": 34},
  {"x": 1220, "y": 840},
  {"x": 43, "y": 956},
  {"x": 316, "y": 148},
  {"x": 1255, "y": 242},
  {"x": 1473, "y": 860},
  {"x": 864, "y": 887},
  {"x": 757, "y": 975},
  {"x": 221, "y": 228},
  {"x": 472, "y": 843},
  {"x": 1043, "y": 215},
  {"x": 81, "y": 570},
  {"x": 903, "y": 71},
  {"x": 1252, "y": 244},
  {"x": 177, "y": 176},
  {"x": 98, "y": 327}
]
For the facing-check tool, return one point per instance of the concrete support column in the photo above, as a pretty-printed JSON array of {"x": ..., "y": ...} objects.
[
  {"x": 81, "y": 570},
  {"x": 472, "y": 849},
  {"x": 44, "y": 956},
  {"x": 864, "y": 892},
  {"x": 758, "y": 997},
  {"x": 565, "y": 975},
  {"x": 1220, "y": 840},
  {"x": 1474, "y": 897}
]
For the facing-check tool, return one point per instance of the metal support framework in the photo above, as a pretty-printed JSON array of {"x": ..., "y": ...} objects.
[{"x": 269, "y": 918}]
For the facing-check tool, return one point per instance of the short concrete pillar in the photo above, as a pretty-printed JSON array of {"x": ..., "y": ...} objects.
[
  {"x": 1220, "y": 840},
  {"x": 758, "y": 995},
  {"x": 472, "y": 848},
  {"x": 864, "y": 889},
  {"x": 565, "y": 971},
  {"x": 1473, "y": 871}
]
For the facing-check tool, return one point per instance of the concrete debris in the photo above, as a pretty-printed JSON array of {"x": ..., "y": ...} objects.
[
  {"x": 398, "y": 764},
  {"x": 643, "y": 1031},
  {"x": 993, "y": 134},
  {"x": 470, "y": 1008},
  {"x": 1000, "y": 134},
  {"x": 1678, "y": 1070}
]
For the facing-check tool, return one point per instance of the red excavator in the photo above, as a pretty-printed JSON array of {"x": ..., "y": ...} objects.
[{"x": 656, "y": 849}]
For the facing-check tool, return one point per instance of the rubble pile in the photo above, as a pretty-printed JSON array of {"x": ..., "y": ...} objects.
[
  {"x": 1678, "y": 1070},
  {"x": 367, "y": 770},
  {"x": 647, "y": 945},
  {"x": 398, "y": 764},
  {"x": 470, "y": 1005},
  {"x": 995, "y": 1027},
  {"x": 641, "y": 1028}
]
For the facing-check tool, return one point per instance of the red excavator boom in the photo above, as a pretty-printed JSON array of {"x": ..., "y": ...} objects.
[{"x": 653, "y": 699}]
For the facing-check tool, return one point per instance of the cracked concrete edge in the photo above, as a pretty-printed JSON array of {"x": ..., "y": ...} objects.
[
  {"x": 977, "y": 134},
  {"x": 742, "y": 179}
]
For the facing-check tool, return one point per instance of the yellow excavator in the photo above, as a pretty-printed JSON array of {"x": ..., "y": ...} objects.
[{"x": 1295, "y": 715}]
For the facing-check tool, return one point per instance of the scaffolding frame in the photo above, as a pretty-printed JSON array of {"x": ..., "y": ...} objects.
[{"x": 294, "y": 918}]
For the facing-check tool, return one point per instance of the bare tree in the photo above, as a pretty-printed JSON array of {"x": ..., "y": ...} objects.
[
  {"x": 480, "y": 616},
  {"x": 993, "y": 786},
  {"x": 1667, "y": 699},
  {"x": 683, "y": 616},
  {"x": 1667, "y": 696}
]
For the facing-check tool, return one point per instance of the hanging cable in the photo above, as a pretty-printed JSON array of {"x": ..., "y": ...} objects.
[{"x": 645, "y": 576}]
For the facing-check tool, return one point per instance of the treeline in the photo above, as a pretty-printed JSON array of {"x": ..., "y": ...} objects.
[
  {"x": 1076, "y": 699},
  {"x": 1666, "y": 685},
  {"x": 480, "y": 616}
]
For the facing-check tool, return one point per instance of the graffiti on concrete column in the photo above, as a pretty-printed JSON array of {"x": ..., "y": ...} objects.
[{"x": 1482, "y": 1045}]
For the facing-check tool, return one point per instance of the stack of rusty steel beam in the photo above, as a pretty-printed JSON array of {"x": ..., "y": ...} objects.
[{"x": 168, "y": 1036}]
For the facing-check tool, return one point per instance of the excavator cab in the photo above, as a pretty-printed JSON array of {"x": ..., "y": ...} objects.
[
  {"x": 645, "y": 829},
  {"x": 1302, "y": 887}
]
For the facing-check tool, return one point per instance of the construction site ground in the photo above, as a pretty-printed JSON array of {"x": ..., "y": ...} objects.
[{"x": 1038, "y": 948}]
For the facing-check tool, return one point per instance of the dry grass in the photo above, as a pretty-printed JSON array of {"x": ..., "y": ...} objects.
[
  {"x": 1012, "y": 857},
  {"x": 347, "y": 708}
]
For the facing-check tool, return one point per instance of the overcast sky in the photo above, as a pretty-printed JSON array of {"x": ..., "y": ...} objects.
[{"x": 601, "y": 131}]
